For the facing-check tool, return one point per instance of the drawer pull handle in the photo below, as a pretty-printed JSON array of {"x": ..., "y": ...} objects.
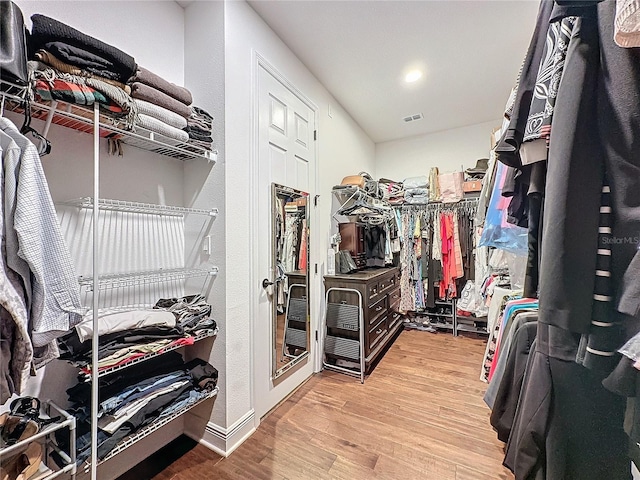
[
  {"x": 379, "y": 308},
  {"x": 378, "y": 332}
]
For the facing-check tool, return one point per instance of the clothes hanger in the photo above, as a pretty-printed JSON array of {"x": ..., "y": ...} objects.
[{"x": 42, "y": 144}]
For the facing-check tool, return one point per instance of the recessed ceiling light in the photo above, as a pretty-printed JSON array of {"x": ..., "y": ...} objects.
[{"x": 413, "y": 76}]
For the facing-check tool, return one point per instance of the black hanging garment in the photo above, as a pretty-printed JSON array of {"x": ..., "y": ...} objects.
[{"x": 374, "y": 244}]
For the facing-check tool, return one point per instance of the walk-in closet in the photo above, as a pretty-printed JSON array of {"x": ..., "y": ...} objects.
[{"x": 273, "y": 239}]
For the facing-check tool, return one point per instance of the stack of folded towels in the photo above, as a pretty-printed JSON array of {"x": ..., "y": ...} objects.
[
  {"x": 165, "y": 108},
  {"x": 416, "y": 190},
  {"x": 76, "y": 68}
]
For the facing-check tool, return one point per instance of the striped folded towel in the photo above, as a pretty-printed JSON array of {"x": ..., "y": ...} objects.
[
  {"x": 157, "y": 126},
  {"x": 160, "y": 113}
]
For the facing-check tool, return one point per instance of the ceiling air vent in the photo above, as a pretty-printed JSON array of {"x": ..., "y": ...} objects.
[{"x": 413, "y": 118}]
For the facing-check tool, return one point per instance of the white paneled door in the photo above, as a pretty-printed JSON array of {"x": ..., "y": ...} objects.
[{"x": 287, "y": 156}]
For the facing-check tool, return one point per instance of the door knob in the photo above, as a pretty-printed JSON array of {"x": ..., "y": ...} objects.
[{"x": 266, "y": 283}]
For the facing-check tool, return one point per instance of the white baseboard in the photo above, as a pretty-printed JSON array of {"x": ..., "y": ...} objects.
[{"x": 222, "y": 440}]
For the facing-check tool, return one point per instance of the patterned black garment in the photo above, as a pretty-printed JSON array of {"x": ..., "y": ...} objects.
[{"x": 548, "y": 80}]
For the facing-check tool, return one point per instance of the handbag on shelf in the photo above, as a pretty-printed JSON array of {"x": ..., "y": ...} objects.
[
  {"x": 354, "y": 180},
  {"x": 451, "y": 190},
  {"x": 13, "y": 45}
]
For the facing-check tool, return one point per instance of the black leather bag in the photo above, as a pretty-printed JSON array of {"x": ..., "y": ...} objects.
[{"x": 13, "y": 44}]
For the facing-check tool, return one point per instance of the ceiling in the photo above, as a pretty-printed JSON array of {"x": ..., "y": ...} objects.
[{"x": 470, "y": 52}]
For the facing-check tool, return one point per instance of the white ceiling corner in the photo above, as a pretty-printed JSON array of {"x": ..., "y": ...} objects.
[{"x": 359, "y": 50}]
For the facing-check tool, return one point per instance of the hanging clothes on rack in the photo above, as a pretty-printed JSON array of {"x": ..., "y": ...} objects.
[
  {"x": 407, "y": 263},
  {"x": 375, "y": 239},
  {"x": 437, "y": 251},
  {"x": 587, "y": 308},
  {"x": 44, "y": 280},
  {"x": 303, "y": 253},
  {"x": 289, "y": 251}
]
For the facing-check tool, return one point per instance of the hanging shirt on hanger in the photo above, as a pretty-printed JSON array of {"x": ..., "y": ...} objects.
[
  {"x": 34, "y": 237},
  {"x": 16, "y": 351}
]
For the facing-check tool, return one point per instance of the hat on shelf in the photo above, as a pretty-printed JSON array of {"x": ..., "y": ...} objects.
[{"x": 480, "y": 169}]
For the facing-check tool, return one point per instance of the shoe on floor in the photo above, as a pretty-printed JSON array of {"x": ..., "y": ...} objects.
[{"x": 23, "y": 465}]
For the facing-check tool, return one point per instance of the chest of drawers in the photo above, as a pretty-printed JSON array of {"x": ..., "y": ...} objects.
[{"x": 380, "y": 291}]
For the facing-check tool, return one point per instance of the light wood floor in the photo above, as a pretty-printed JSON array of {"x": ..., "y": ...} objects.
[{"x": 419, "y": 415}]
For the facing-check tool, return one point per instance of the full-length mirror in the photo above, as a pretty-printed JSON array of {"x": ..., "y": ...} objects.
[{"x": 290, "y": 249}]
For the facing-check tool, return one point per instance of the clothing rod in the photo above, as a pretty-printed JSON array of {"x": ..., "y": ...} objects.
[{"x": 471, "y": 202}]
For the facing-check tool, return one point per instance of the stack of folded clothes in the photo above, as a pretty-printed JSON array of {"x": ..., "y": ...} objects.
[
  {"x": 392, "y": 191},
  {"x": 416, "y": 190},
  {"x": 133, "y": 398},
  {"x": 70, "y": 66},
  {"x": 126, "y": 336},
  {"x": 65, "y": 54},
  {"x": 199, "y": 128},
  {"x": 165, "y": 108}
]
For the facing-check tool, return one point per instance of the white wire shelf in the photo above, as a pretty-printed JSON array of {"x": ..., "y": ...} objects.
[
  {"x": 135, "y": 279},
  {"x": 11, "y": 91},
  {"x": 137, "y": 207},
  {"x": 201, "y": 335},
  {"x": 149, "y": 429},
  {"x": 380, "y": 208},
  {"x": 347, "y": 190},
  {"x": 80, "y": 118},
  {"x": 464, "y": 327}
]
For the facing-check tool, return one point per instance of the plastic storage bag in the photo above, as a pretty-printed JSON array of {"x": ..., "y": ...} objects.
[{"x": 497, "y": 232}]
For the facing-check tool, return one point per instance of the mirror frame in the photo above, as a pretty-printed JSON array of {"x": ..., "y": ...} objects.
[{"x": 278, "y": 372}]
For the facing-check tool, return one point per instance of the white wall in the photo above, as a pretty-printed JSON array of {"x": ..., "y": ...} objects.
[
  {"x": 447, "y": 150},
  {"x": 204, "y": 187},
  {"x": 343, "y": 149},
  {"x": 151, "y": 32}
]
